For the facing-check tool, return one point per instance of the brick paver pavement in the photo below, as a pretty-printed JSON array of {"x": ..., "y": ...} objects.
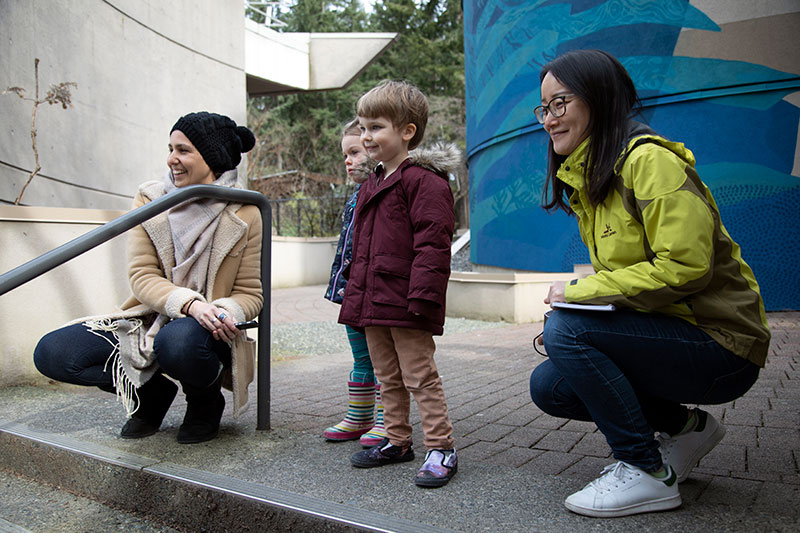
[{"x": 486, "y": 372}]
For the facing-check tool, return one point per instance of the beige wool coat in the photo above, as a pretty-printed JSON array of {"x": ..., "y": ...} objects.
[{"x": 233, "y": 282}]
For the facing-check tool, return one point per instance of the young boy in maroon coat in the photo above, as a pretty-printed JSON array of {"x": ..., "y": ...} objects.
[{"x": 398, "y": 277}]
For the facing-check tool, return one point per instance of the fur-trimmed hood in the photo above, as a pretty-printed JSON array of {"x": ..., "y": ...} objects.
[{"x": 442, "y": 158}]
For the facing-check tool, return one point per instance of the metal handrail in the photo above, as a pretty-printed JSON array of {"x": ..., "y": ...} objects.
[{"x": 48, "y": 261}]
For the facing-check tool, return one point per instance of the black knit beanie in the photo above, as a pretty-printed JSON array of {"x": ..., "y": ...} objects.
[{"x": 218, "y": 139}]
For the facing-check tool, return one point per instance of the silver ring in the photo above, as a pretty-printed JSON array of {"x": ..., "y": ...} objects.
[
  {"x": 222, "y": 316},
  {"x": 213, "y": 320}
]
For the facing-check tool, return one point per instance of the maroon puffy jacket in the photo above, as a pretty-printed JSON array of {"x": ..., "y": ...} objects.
[{"x": 401, "y": 245}]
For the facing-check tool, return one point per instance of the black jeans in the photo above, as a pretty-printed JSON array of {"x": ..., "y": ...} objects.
[{"x": 184, "y": 350}]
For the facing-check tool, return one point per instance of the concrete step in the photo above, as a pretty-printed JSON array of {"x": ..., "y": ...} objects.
[
  {"x": 180, "y": 497},
  {"x": 8, "y": 527},
  {"x": 27, "y": 506}
]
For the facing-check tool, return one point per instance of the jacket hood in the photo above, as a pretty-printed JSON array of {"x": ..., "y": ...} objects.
[
  {"x": 639, "y": 133},
  {"x": 441, "y": 158},
  {"x": 636, "y": 129},
  {"x": 362, "y": 171}
]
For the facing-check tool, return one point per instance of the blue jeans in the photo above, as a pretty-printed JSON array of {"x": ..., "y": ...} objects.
[
  {"x": 184, "y": 350},
  {"x": 629, "y": 372}
]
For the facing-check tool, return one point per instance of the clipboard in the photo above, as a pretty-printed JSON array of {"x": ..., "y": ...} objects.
[{"x": 583, "y": 307}]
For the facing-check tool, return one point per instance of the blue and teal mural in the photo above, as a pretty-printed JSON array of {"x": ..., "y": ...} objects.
[{"x": 739, "y": 115}]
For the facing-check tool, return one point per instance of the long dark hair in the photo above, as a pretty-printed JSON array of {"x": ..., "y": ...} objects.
[{"x": 601, "y": 81}]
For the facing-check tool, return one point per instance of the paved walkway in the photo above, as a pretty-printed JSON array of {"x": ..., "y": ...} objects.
[
  {"x": 486, "y": 372},
  {"x": 517, "y": 464}
]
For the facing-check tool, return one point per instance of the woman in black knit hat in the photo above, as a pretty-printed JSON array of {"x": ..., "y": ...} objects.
[{"x": 194, "y": 272}]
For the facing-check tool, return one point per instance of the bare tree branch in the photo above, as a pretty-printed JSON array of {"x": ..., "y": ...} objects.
[{"x": 58, "y": 94}]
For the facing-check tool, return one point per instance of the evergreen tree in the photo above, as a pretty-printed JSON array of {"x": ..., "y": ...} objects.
[{"x": 303, "y": 131}]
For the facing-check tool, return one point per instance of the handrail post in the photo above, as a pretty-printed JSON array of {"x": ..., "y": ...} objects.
[
  {"x": 60, "y": 255},
  {"x": 264, "y": 369}
]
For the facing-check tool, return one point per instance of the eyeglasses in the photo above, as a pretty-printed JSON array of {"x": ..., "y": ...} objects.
[{"x": 556, "y": 107}]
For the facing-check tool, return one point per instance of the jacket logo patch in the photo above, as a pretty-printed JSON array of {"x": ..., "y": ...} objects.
[{"x": 608, "y": 232}]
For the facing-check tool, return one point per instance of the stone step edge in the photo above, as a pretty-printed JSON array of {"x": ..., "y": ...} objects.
[
  {"x": 180, "y": 496},
  {"x": 8, "y": 527}
]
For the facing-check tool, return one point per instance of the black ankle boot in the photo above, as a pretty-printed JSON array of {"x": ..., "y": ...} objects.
[
  {"x": 203, "y": 412},
  {"x": 155, "y": 397}
]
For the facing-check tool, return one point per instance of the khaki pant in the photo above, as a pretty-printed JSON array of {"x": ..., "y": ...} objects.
[{"x": 403, "y": 362}]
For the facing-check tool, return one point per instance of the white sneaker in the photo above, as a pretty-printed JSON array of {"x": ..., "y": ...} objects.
[
  {"x": 683, "y": 452},
  {"x": 624, "y": 490}
]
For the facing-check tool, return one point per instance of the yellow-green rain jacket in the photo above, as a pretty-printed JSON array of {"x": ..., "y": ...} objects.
[{"x": 657, "y": 244}]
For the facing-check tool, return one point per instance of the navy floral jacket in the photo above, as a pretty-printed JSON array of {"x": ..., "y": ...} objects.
[{"x": 344, "y": 251}]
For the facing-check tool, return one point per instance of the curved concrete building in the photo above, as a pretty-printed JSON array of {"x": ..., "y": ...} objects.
[
  {"x": 721, "y": 77},
  {"x": 139, "y": 65}
]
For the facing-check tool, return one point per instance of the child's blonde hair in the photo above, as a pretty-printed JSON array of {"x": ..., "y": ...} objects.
[
  {"x": 352, "y": 128},
  {"x": 399, "y": 101}
]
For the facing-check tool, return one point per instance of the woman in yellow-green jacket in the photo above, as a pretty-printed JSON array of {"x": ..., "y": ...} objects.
[{"x": 689, "y": 324}]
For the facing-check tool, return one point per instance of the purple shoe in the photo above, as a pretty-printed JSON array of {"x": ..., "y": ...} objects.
[{"x": 439, "y": 467}]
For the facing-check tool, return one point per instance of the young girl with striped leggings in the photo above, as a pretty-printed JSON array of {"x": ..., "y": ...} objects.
[{"x": 364, "y": 394}]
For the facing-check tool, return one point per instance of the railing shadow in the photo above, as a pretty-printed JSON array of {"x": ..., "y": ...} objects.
[{"x": 48, "y": 261}]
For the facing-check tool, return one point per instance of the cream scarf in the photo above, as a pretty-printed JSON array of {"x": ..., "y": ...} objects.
[{"x": 192, "y": 225}]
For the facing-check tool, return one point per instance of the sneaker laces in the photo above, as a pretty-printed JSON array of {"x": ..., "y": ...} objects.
[
  {"x": 665, "y": 442},
  {"x": 613, "y": 476}
]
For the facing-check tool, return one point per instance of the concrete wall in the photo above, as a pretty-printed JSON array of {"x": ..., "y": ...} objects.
[
  {"x": 96, "y": 282},
  {"x": 139, "y": 65},
  {"x": 302, "y": 261},
  {"x": 509, "y": 297},
  {"x": 89, "y": 284}
]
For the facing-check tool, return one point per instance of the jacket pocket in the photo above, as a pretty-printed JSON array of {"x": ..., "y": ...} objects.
[{"x": 390, "y": 280}]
